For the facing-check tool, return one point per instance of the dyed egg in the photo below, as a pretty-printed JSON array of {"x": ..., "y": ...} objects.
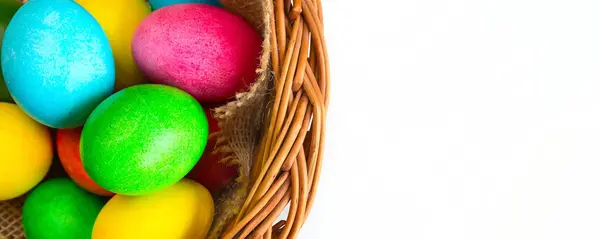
[
  {"x": 119, "y": 19},
  {"x": 57, "y": 62},
  {"x": 210, "y": 171},
  {"x": 7, "y": 10},
  {"x": 25, "y": 152},
  {"x": 156, "y": 4},
  {"x": 201, "y": 49},
  {"x": 67, "y": 144},
  {"x": 143, "y": 139},
  {"x": 184, "y": 210},
  {"x": 4, "y": 94},
  {"x": 59, "y": 209}
]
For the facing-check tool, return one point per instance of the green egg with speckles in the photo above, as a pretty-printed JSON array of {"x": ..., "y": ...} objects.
[
  {"x": 143, "y": 139},
  {"x": 59, "y": 209}
]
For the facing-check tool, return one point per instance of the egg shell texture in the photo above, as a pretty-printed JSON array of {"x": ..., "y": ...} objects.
[
  {"x": 119, "y": 19},
  {"x": 59, "y": 209},
  {"x": 67, "y": 145},
  {"x": 183, "y": 211},
  {"x": 156, "y": 4},
  {"x": 210, "y": 171},
  {"x": 204, "y": 50},
  {"x": 57, "y": 62},
  {"x": 143, "y": 139},
  {"x": 25, "y": 152},
  {"x": 4, "y": 94},
  {"x": 7, "y": 10}
]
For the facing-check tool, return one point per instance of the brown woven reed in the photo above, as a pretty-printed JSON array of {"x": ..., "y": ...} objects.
[
  {"x": 10, "y": 219},
  {"x": 275, "y": 131},
  {"x": 287, "y": 164}
]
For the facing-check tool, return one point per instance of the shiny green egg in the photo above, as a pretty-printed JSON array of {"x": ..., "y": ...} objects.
[
  {"x": 59, "y": 209},
  {"x": 143, "y": 139}
]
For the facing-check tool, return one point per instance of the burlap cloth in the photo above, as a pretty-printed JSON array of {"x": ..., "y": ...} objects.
[{"x": 241, "y": 122}]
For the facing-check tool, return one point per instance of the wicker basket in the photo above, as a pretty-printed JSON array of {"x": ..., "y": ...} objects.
[{"x": 275, "y": 131}]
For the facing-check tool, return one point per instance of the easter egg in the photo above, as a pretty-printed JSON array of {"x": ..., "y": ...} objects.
[
  {"x": 181, "y": 211},
  {"x": 119, "y": 19},
  {"x": 143, "y": 139},
  {"x": 156, "y": 4},
  {"x": 25, "y": 152},
  {"x": 210, "y": 171},
  {"x": 7, "y": 10},
  {"x": 59, "y": 209},
  {"x": 201, "y": 49},
  {"x": 4, "y": 94},
  {"x": 57, "y": 62},
  {"x": 67, "y": 144}
]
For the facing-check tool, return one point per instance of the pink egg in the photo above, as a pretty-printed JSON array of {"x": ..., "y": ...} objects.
[{"x": 201, "y": 49}]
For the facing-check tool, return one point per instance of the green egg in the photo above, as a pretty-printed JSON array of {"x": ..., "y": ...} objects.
[
  {"x": 59, "y": 209},
  {"x": 4, "y": 95},
  {"x": 143, "y": 139},
  {"x": 7, "y": 10}
]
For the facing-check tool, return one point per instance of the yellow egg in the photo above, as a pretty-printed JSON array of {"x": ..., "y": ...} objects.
[
  {"x": 119, "y": 19},
  {"x": 25, "y": 152},
  {"x": 182, "y": 211}
]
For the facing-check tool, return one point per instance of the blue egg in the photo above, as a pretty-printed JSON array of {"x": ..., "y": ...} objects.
[
  {"x": 57, "y": 62},
  {"x": 156, "y": 4}
]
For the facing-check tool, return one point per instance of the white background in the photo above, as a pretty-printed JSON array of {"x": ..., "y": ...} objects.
[{"x": 470, "y": 119}]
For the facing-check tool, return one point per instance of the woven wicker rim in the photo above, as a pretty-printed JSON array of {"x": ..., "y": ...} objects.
[{"x": 288, "y": 164}]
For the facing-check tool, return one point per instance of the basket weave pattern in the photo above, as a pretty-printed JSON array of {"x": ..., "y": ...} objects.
[
  {"x": 287, "y": 165},
  {"x": 275, "y": 131},
  {"x": 10, "y": 219}
]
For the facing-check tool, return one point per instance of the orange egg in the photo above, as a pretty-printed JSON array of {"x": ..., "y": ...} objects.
[{"x": 67, "y": 142}]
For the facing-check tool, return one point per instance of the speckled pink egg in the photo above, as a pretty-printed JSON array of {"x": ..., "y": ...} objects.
[{"x": 204, "y": 50}]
